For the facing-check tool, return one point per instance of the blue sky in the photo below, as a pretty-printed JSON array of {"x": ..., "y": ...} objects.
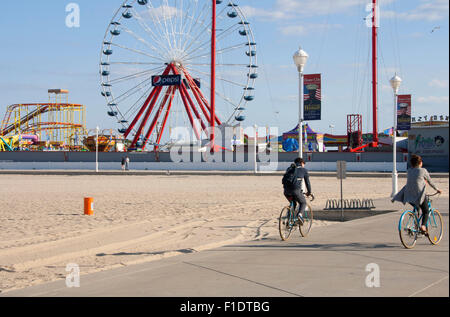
[{"x": 39, "y": 52}]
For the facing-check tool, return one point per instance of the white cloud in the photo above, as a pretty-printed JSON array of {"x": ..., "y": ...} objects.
[
  {"x": 429, "y": 10},
  {"x": 290, "y": 9},
  {"x": 293, "y": 30},
  {"x": 162, "y": 13},
  {"x": 438, "y": 83},
  {"x": 433, "y": 100},
  {"x": 309, "y": 29}
]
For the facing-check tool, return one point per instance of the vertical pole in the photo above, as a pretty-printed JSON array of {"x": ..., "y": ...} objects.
[
  {"x": 342, "y": 200},
  {"x": 256, "y": 149},
  {"x": 394, "y": 150},
  {"x": 375, "y": 73},
  {"x": 300, "y": 120},
  {"x": 213, "y": 74},
  {"x": 96, "y": 149}
]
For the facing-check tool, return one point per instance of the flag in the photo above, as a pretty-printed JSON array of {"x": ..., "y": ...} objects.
[{"x": 318, "y": 94}]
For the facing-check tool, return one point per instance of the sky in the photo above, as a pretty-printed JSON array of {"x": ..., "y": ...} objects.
[{"x": 38, "y": 51}]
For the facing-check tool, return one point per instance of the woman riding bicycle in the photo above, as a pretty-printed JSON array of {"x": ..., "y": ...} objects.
[{"x": 414, "y": 190}]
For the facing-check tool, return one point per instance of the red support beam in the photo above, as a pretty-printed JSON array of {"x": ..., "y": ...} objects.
[
  {"x": 194, "y": 109},
  {"x": 202, "y": 97},
  {"x": 141, "y": 111},
  {"x": 147, "y": 101},
  {"x": 157, "y": 115},
  {"x": 183, "y": 89},
  {"x": 375, "y": 73},
  {"x": 193, "y": 85},
  {"x": 205, "y": 102},
  {"x": 172, "y": 95},
  {"x": 147, "y": 115},
  {"x": 213, "y": 74},
  {"x": 188, "y": 111}
]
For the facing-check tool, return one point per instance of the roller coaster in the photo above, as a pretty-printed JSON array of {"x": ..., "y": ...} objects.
[{"x": 56, "y": 124}]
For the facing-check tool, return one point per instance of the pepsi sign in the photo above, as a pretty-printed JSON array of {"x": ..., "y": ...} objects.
[{"x": 166, "y": 80}]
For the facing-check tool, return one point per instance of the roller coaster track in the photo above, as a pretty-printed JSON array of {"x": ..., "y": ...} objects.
[{"x": 42, "y": 108}]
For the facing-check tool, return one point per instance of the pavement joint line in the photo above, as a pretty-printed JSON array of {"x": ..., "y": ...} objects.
[
  {"x": 241, "y": 278},
  {"x": 392, "y": 261},
  {"x": 427, "y": 287}
]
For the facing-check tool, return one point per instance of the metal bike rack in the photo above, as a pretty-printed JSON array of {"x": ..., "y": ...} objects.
[{"x": 352, "y": 204}]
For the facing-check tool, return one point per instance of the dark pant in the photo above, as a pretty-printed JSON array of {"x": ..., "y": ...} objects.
[
  {"x": 425, "y": 211},
  {"x": 297, "y": 197}
]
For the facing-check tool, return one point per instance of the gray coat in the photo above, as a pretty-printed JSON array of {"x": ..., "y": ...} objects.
[{"x": 414, "y": 190}]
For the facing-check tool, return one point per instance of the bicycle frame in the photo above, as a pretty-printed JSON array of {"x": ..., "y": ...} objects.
[
  {"x": 415, "y": 211},
  {"x": 291, "y": 213}
]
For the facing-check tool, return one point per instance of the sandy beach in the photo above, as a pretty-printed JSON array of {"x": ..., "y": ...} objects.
[{"x": 142, "y": 218}]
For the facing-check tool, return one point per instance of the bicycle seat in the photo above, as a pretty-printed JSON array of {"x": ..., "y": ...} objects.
[{"x": 290, "y": 198}]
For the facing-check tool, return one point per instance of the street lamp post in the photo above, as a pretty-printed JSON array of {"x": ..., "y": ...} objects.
[
  {"x": 96, "y": 148},
  {"x": 395, "y": 84},
  {"x": 300, "y": 59}
]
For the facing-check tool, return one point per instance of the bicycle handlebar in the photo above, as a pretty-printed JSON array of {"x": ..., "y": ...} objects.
[{"x": 436, "y": 193}]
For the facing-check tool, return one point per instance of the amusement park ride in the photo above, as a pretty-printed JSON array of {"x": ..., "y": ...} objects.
[
  {"x": 204, "y": 43},
  {"x": 56, "y": 124},
  {"x": 159, "y": 61},
  {"x": 207, "y": 43}
]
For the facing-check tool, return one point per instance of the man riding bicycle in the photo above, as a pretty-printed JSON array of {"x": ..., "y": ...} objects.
[{"x": 292, "y": 183}]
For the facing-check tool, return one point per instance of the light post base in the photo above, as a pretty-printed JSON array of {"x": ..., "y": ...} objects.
[{"x": 394, "y": 184}]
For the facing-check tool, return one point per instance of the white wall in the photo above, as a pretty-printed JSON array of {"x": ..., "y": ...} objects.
[{"x": 281, "y": 166}]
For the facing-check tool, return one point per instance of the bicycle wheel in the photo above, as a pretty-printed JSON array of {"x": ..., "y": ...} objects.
[
  {"x": 408, "y": 228},
  {"x": 286, "y": 223},
  {"x": 307, "y": 221},
  {"x": 435, "y": 227}
]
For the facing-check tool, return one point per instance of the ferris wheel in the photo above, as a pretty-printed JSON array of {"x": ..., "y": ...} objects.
[{"x": 156, "y": 67}]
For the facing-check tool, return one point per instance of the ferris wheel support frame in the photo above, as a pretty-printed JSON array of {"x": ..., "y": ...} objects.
[
  {"x": 166, "y": 117},
  {"x": 158, "y": 114},
  {"x": 144, "y": 106},
  {"x": 200, "y": 94}
]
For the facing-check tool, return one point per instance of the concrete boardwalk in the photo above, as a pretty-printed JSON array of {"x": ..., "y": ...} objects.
[{"x": 331, "y": 262}]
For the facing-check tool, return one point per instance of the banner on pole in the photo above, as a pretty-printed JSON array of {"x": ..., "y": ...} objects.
[
  {"x": 312, "y": 97},
  {"x": 404, "y": 112}
]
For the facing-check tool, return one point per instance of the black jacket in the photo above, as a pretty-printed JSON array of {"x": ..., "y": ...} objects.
[{"x": 301, "y": 174}]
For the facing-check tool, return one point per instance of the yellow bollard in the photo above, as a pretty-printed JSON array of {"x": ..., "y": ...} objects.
[{"x": 89, "y": 206}]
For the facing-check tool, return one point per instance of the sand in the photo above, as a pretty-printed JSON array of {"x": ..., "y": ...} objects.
[{"x": 141, "y": 218}]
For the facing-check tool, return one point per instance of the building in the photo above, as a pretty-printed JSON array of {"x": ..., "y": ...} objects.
[{"x": 431, "y": 142}]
